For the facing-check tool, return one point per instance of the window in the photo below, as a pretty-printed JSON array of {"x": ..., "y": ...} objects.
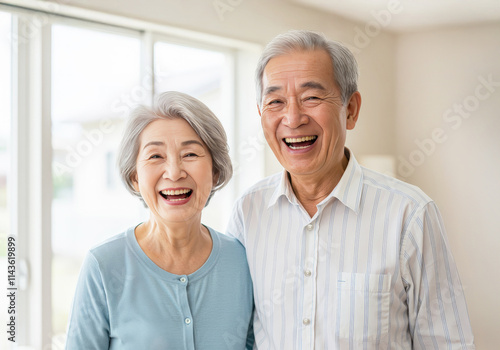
[
  {"x": 203, "y": 74},
  {"x": 93, "y": 74},
  {"x": 75, "y": 82}
]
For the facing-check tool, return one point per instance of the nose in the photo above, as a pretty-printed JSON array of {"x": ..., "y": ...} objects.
[
  {"x": 293, "y": 115},
  {"x": 174, "y": 170}
]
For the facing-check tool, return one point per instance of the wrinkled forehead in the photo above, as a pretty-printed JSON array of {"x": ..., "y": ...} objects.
[
  {"x": 308, "y": 68},
  {"x": 168, "y": 130},
  {"x": 307, "y": 57}
]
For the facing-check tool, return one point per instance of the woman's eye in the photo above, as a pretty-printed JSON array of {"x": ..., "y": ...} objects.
[
  {"x": 190, "y": 155},
  {"x": 312, "y": 98},
  {"x": 155, "y": 156}
]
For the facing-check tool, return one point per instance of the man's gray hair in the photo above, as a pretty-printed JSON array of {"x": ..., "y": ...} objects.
[
  {"x": 345, "y": 68},
  {"x": 172, "y": 105}
]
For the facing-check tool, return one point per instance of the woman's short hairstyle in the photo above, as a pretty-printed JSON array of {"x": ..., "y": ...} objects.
[
  {"x": 171, "y": 105},
  {"x": 345, "y": 68}
]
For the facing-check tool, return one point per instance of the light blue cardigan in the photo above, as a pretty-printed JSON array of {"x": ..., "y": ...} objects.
[{"x": 125, "y": 301}]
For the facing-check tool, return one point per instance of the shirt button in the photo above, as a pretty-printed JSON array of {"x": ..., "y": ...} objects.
[
  {"x": 307, "y": 273},
  {"x": 309, "y": 227},
  {"x": 306, "y": 321},
  {"x": 187, "y": 320},
  {"x": 183, "y": 279}
]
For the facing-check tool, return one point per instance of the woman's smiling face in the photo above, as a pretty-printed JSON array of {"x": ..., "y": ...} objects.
[{"x": 174, "y": 170}]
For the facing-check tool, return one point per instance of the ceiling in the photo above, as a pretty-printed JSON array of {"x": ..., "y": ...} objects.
[{"x": 408, "y": 15}]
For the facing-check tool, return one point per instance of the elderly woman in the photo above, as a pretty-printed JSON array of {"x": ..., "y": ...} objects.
[{"x": 169, "y": 282}]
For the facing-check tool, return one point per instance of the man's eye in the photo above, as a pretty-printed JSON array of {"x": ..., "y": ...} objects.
[
  {"x": 311, "y": 98},
  {"x": 273, "y": 102}
]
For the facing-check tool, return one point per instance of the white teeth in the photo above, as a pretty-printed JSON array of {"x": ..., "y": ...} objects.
[
  {"x": 299, "y": 139},
  {"x": 298, "y": 147},
  {"x": 174, "y": 192}
]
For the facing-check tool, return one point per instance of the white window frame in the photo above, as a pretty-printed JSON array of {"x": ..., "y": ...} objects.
[
  {"x": 31, "y": 184},
  {"x": 31, "y": 179}
]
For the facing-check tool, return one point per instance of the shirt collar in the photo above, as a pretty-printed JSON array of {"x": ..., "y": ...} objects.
[
  {"x": 284, "y": 188},
  {"x": 348, "y": 190}
]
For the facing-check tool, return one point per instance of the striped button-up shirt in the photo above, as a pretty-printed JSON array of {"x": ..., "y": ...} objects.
[{"x": 372, "y": 269}]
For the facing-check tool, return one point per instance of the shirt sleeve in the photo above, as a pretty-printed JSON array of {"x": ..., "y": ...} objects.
[
  {"x": 235, "y": 226},
  {"x": 88, "y": 326},
  {"x": 437, "y": 311}
]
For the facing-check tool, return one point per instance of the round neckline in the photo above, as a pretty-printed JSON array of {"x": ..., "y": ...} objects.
[{"x": 168, "y": 276}]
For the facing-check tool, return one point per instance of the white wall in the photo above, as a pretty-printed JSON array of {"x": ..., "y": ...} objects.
[{"x": 437, "y": 70}]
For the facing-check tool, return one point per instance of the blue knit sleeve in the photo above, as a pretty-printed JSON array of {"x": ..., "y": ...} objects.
[{"x": 88, "y": 326}]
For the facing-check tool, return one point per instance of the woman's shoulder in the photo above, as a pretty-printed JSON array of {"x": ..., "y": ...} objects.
[
  {"x": 226, "y": 242},
  {"x": 230, "y": 250},
  {"x": 113, "y": 247},
  {"x": 111, "y": 243}
]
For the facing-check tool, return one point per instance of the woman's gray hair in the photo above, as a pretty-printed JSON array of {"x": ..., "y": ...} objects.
[
  {"x": 345, "y": 68},
  {"x": 171, "y": 105}
]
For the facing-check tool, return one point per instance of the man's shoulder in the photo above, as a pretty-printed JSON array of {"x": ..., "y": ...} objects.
[
  {"x": 265, "y": 186},
  {"x": 396, "y": 187}
]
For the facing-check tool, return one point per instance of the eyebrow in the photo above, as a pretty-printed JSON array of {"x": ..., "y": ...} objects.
[
  {"x": 191, "y": 142},
  {"x": 313, "y": 85},
  {"x": 307, "y": 85},
  {"x": 183, "y": 143},
  {"x": 271, "y": 89},
  {"x": 153, "y": 143}
]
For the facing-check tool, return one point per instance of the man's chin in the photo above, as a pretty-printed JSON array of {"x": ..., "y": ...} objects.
[{"x": 300, "y": 171}]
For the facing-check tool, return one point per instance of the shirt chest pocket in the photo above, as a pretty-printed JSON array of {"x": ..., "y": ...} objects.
[{"x": 363, "y": 302}]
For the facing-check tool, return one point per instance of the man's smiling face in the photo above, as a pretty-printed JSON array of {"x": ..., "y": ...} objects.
[{"x": 302, "y": 114}]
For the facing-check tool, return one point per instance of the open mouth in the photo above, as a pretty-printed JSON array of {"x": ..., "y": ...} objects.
[
  {"x": 176, "y": 195},
  {"x": 300, "y": 142}
]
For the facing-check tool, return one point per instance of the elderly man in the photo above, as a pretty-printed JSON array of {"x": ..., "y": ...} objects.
[{"x": 341, "y": 257}]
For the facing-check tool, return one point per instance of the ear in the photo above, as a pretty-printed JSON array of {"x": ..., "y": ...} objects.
[
  {"x": 215, "y": 179},
  {"x": 352, "y": 110},
  {"x": 135, "y": 182},
  {"x": 258, "y": 109}
]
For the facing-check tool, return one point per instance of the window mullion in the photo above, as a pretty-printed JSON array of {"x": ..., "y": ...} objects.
[
  {"x": 33, "y": 180},
  {"x": 147, "y": 67}
]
